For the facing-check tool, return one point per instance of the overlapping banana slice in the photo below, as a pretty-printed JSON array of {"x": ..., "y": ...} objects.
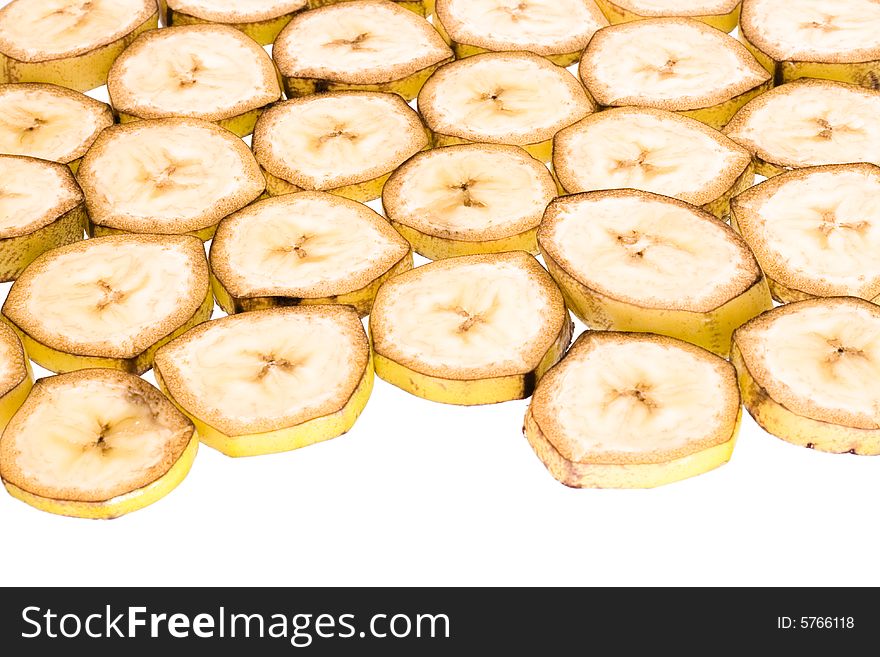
[
  {"x": 41, "y": 207},
  {"x": 109, "y": 301},
  {"x": 469, "y": 199},
  {"x": 830, "y": 39},
  {"x": 367, "y": 45},
  {"x": 261, "y": 20},
  {"x": 71, "y": 43},
  {"x": 809, "y": 123},
  {"x": 655, "y": 151},
  {"x": 211, "y": 72},
  {"x": 272, "y": 380},
  {"x": 167, "y": 176},
  {"x": 808, "y": 372},
  {"x": 344, "y": 142},
  {"x": 16, "y": 377},
  {"x": 816, "y": 231},
  {"x": 49, "y": 122},
  {"x": 471, "y": 330},
  {"x": 309, "y": 248},
  {"x": 634, "y": 261},
  {"x": 514, "y": 98},
  {"x": 556, "y": 29},
  {"x": 634, "y": 410},
  {"x": 95, "y": 444},
  {"x": 721, "y": 14},
  {"x": 676, "y": 64},
  {"x": 421, "y": 7}
]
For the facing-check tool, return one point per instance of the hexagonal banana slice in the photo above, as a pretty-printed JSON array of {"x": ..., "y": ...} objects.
[
  {"x": 16, "y": 377},
  {"x": 261, "y": 20},
  {"x": 721, "y": 14}
]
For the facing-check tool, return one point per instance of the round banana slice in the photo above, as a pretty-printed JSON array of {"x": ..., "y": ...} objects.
[
  {"x": 272, "y": 380},
  {"x": 515, "y": 98},
  {"x": 211, "y": 72},
  {"x": 556, "y": 29},
  {"x": 831, "y": 39},
  {"x": 720, "y": 14},
  {"x": 634, "y": 261},
  {"x": 816, "y": 231},
  {"x": 95, "y": 444},
  {"x": 344, "y": 142},
  {"x": 16, "y": 377},
  {"x": 808, "y": 373},
  {"x": 110, "y": 301},
  {"x": 261, "y": 20},
  {"x": 367, "y": 45},
  {"x": 471, "y": 330},
  {"x": 655, "y": 151},
  {"x": 809, "y": 123},
  {"x": 309, "y": 248},
  {"x": 50, "y": 122},
  {"x": 634, "y": 410},
  {"x": 421, "y": 7},
  {"x": 469, "y": 199},
  {"x": 676, "y": 64},
  {"x": 71, "y": 43},
  {"x": 167, "y": 176},
  {"x": 41, "y": 207}
]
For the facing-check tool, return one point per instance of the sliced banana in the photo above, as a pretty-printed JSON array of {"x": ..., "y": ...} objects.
[
  {"x": 421, "y": 7},
  {"x": 307, "y": 248},
  {"x": 514, "y": 98},
  {"x": 720, "y": 14},
  {"x": 49, "y": 122},
  {"x": 634, "y": 410},
  {"x": 167, "y": 176},
  {"x": 261, "y": 20},
  {"x": 367, "y": 45},
  {"x": 655, "y": 151},
  {"x": 676, "y": 64},
  {"x": 809, "y": 123},
  {"x": 71, "y": 43},
  {"x": 41, "y": 207},
  {"x": 556, "y": 29},
  {"x": 816, "y": 231},
  {"x": 109, "y": 301},
  {"x": 831, "y": 39},
  {"x": 272, "y": 380},
  {"x": 211, "y": 72},
  {"x": 95, "y": 444},
  {"x": 634, "y": 261},
  {"x": 809, "y": 370},
  {"x": 16, "y": 377},
  {"x": 344, "y": 142},
  {"x": 472, "y": 330},
  {"x": 469, "y": 199}
]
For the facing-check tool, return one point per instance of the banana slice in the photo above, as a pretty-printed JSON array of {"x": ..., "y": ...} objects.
[
  {"x": 827, "y": 39},
  {"x": 421, "y": 7},
  {"x": 368, "y": 45},
  {"x": 469, "y": 199},
  {"x": 634, "y": 410},
  {"x": 16, "y": 377},
  {"x": 41, "y": 207},
  {"x": 515, "y": 98},
  {"x": 167, "y": 176},
  {"x": 307, "y": 248},
  {"x": 720, "y": 14},
  {"x": 556, "y": 29},
  {"x": 808, "y": 372},
  {"x": 95, "y": 444},
  {"x": 815, "y": 232},
  {"x": 676, "y": 64},
  {"x": 809, "y": 123},
  {"x": 344, "y": 142},
  {"x": 655, "y": 151},
  {"x": 109, "y": 301},
  {"x": 634, "y": 261},
  {"x": 472, "y": 330},
  {"x": 272, "y": 380},
  {"x": 261, "y": 20},
  {"x": 71, "y": 43},
  {"x": 211, "y": 72},
  {"x": 50, "y": 122}
]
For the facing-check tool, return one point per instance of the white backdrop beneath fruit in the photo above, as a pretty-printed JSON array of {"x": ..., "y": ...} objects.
[{"x": 420, "y": 493}]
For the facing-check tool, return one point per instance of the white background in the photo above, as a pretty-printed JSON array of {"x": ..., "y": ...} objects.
[{"x": 420, "y": 493}]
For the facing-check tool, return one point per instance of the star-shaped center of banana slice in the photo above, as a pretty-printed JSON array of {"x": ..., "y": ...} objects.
[
  {"x": 636, "y": 243},
  {"x": 516, "y": 12},
  {"x": 274, "y": 363},
  {"x": 466, "y": 192},
  {"x": 827, "y": 129},
  {"x": 830, "y": 223},
  {"x": 356, "y": 42},
  {"x": 824, "y": 23},
  {"x": 108, "y": 295}
]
